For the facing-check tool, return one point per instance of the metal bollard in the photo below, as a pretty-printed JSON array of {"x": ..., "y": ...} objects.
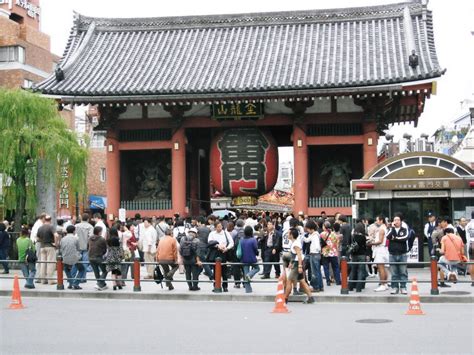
[
  {"x": 434, "y": 275},
  {"x": 60, "y": 270},
  {"x": 344, "y": 285},
  {"x": 218, "y": 276},
  {"x": 136, "y": 275}
]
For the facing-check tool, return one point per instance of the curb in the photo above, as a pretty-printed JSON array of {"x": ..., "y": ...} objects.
[{"x": 237, "y": 298}]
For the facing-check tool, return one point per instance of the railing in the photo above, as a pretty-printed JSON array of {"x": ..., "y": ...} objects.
[
  {"x": 159, "y": 204},
  {"x": 216, "y": 279},
  {"x": 343, "y": 201}
]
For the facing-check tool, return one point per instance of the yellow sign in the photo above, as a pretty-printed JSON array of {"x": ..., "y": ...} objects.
[{"x": 244, "y": 201}]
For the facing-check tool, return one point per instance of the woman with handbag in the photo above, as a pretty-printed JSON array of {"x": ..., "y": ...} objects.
[
  {"x": 249, "y": 250},
  {"x": 126, "y": 236},
  {"x": 220, "y": 242},
  {"x": 27, "y": 257},
  {"x": 114, "y": 258}
]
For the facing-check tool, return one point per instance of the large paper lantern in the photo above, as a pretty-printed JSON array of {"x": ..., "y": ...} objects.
[{"x": 244, "y": 162}]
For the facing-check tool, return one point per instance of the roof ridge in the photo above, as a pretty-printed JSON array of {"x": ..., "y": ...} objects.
[{"x": 218, "y": 20}]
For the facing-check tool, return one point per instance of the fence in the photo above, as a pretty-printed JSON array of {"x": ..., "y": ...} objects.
[
  {"x": 158, "y": 204},
  {"x": 342, "y": 201},
  {"x": 218, "y": 265}
]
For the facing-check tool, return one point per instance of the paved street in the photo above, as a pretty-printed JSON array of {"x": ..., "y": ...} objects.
[{"x": 79, "y": 326}]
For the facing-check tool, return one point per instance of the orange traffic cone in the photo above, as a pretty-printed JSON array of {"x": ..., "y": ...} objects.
[
  {"x": 414, "y": 308},
  {"x": 280, "y": 305},
  {"x": 16, "y": 295}
]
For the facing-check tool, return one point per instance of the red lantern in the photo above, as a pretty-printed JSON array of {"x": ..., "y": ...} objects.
[{"x": 244, "y": 162}]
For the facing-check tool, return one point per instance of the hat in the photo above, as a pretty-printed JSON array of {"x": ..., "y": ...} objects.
[
  {"x": 194, "y": 230},
  {"x": 431, "y": 214}
]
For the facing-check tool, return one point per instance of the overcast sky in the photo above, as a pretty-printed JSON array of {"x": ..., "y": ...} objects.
[{"x": 453, "y": 23}]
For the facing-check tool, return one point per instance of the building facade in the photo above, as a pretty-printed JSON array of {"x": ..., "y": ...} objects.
[
  {"x": 325, "y": 82},
  {"x": 25, "y": 60}
]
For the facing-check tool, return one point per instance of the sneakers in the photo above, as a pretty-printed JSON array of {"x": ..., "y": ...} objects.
[
  {"x": 76, "y": 287},
  {"x": 309, "y": 300},
  {"x": 30, "y": 286},
  {"x": 381, "y": 288},
  {"x": 394, "y": 291},
  {"x": 442, "y": 284},
  {"x": 265, "y": 277},
  {"x": 103, "y": 288},
  {"x": 403, "y": 291}
]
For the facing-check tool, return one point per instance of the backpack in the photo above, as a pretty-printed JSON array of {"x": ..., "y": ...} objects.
[
  {"x": 181, "y": 234},
  {"x": 186, "y": 248}
]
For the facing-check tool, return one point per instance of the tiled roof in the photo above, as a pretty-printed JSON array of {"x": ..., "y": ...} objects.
[{"x": 247, "y": 53}]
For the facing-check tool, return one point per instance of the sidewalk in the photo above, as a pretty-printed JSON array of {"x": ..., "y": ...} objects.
[{"x": 263, "y": 291}]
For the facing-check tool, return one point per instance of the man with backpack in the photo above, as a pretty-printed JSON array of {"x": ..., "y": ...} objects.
[{"x": 192, "y": 263}]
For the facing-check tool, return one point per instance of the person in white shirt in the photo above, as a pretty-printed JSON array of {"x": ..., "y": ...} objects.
[
  {"x": 430, "y": 227},
  {"x": 149, "y": 238},
  {"x": 34, "y": 232},
  {"x": 100, "y": 223},
  {"x": 314, "y": 255},
  {"x": 222, "y": 242},
  {"x": 380, "y": 252},
  {"x": 296, "y": 266},
  {"x": 251, "y": 221}
]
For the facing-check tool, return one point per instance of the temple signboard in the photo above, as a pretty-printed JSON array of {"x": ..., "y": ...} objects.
[{"x": 237, "y": 111}]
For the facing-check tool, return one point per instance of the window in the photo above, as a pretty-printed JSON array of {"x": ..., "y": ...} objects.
[
  {"x": 27, "y": 84},
  {"x": 98, "y": 139},
  {"x": 102, "y": 174},
  {"x": 12, "y": 54}
]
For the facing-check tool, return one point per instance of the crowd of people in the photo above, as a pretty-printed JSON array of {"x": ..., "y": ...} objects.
[{"x": 310, "y": 250}]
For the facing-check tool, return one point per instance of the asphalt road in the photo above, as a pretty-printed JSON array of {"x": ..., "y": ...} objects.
[{"x": 82, "y": 326}]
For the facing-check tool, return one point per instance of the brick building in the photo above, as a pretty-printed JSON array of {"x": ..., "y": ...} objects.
[{"x": 26, "y": 59}]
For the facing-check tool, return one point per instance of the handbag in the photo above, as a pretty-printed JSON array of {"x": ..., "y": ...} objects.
[
  {"x": 238, "y": 253},
  {"x": 31, "y": 254}
]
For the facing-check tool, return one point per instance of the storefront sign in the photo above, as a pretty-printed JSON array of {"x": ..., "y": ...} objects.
[
  {"x": 415, "y": 184},
  {"x": 244, "y": 201},
  {"x": 237, "y": 111},
  {"x": 31, "y": 9},
  {"x": 420, "y": 194}
]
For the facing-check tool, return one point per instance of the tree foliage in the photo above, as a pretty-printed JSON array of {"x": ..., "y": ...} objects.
[{"x": 31, "y": 129}]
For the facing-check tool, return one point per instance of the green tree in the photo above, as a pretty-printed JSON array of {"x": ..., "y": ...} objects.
[{"x": 32, "y": 131}]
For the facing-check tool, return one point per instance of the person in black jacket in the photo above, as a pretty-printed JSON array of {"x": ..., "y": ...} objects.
[
  {"x": 4, "y": 246},
  {"x": 398, "y": 249},
  {"x": 271, "y": 246},
  {"x": 358, "y": 254}
]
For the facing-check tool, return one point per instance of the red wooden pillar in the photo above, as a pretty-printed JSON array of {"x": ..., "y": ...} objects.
[
  {"x": 178, "y": 172},
  {"x": 300, "y": 152},
  {"x": 370, "y": 146},
  {"x": 194, "y": 182},
  {"x": 113, "y": 173}
]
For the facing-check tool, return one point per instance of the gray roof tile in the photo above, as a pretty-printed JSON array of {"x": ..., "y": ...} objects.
[{"x": 246, "y": 53}]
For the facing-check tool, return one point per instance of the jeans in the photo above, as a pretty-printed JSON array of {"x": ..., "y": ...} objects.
[
  {"x": 447, "y": 266},
  {"x": 81, "y": 275},
  {"x": 316, "y": 277},
  {"x": 72, "y": 272},
  {"x": 29, "y": 272},
  {"x": 357, "y": 273},
  {"x": 268, "y": 257},
  {"x": 4, "y": 256},
  {"x": 100, "y": 272},
  {"x": 192, "y": 275},
  {"x": 250, "y": 270},
  {"x": 399, "y": 272},
  {"x": 334, "y": 261}
]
